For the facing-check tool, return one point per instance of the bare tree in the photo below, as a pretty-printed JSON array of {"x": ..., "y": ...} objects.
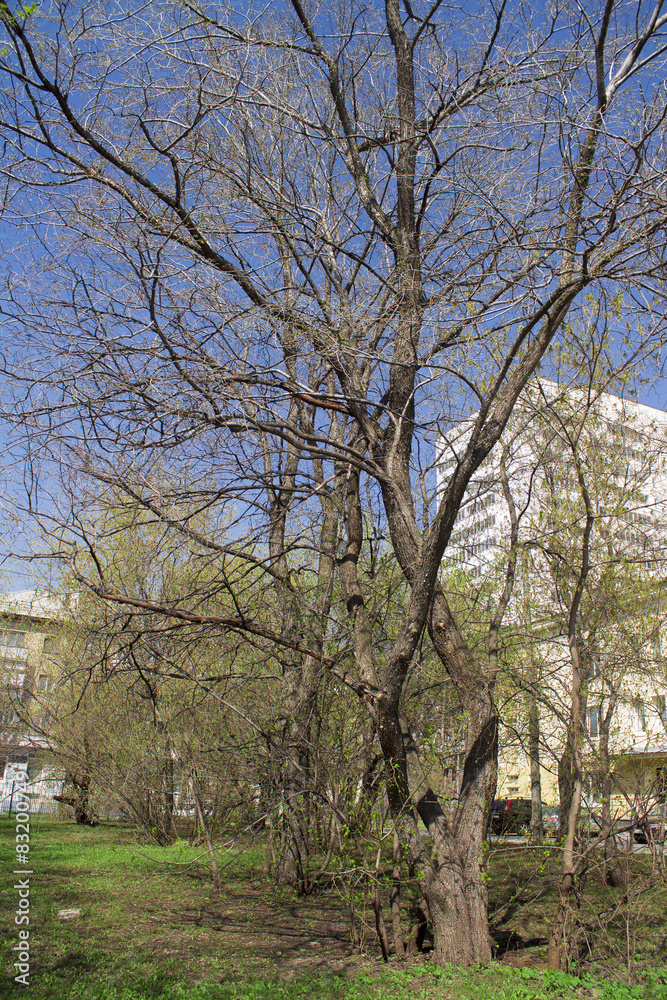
[{"x": 253, "y": 223}]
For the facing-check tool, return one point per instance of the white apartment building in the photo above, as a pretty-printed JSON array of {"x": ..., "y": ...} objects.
[
  {"x": 621, "y": 449},
  {"x": 30, "y": 636},
  {"x": 634, "y": 434}
]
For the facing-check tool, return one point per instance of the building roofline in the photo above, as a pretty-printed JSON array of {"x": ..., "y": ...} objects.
[{"x": 33, "y": 604}]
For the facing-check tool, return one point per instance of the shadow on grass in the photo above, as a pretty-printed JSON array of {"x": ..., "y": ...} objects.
[{"x": 75, "y": 962}]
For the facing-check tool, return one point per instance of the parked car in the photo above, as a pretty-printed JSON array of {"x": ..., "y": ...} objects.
[
  {"x": 551, "y": 819},
  {"x": 651, "y": 830},
  {"x": 624, "y": 829},
  {"x": 510, "y": 816}
]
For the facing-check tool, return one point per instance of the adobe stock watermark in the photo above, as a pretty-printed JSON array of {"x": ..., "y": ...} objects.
[{"x": 22, "y": 887}]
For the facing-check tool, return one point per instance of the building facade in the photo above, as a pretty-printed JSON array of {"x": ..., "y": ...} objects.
[
  {"x": 583, "y": 479},
  {"x": 630, "y": 438},
  {"x": 30, "y": 637}
]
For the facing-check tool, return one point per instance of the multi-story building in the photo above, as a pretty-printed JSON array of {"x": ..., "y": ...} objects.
[
  {"x": 571, "y": 459},
  {"x": 631, "y": 434},
  {"x": 30, "y": 636}
]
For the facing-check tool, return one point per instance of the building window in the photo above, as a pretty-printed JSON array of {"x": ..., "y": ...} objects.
[
  {"x": 8, "y": 717},
  {"x": 14, "y": 673},
  {"x": 639, "y": 716},
  {"x": 50, "y": 643},
  {"x": 14, "y": 640},
  {"x": 590, "y": 784},
  {"x": 661, "y": 708},
  {"x": 43, "y": 682},
  {"x": 592, "y": 722}
]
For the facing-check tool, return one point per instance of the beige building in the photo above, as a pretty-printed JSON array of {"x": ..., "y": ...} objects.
[
  {"x": 637, "y": 747},
  {"x": 30, "y": 628}
]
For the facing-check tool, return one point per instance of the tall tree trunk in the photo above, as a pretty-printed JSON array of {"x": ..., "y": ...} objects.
[
  {"x": 566, "y": 781},
  {"x": 215, "y": 871},
  {"x": 559, "y": 944},
  {"x": 615, "y": 873},
  {"x": 453, "y": 881},
  {"x": 451, "y": 872},
  {"x": 536, "y": 824},
  {"x": 559, "y": 941},
  {"x": 397, "y": 926},
  {"x": 297, "y": 777},
  {"x": 292, "y": 858}
]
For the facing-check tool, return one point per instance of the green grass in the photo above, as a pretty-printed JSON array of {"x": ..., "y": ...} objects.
[
  {"x": 152, "y": 927},
  {"x": 614, "y": 923},
  {"x": 499, "y": 983}
]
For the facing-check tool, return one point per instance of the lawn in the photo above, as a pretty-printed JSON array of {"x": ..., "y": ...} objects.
[{"x": 151, "y": 925}]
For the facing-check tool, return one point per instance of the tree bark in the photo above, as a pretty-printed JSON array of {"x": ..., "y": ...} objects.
[
  {"x": 559, "y": 945},
  {"x": 536, "y": 824},
  {"x": 615, "y": 873}
]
